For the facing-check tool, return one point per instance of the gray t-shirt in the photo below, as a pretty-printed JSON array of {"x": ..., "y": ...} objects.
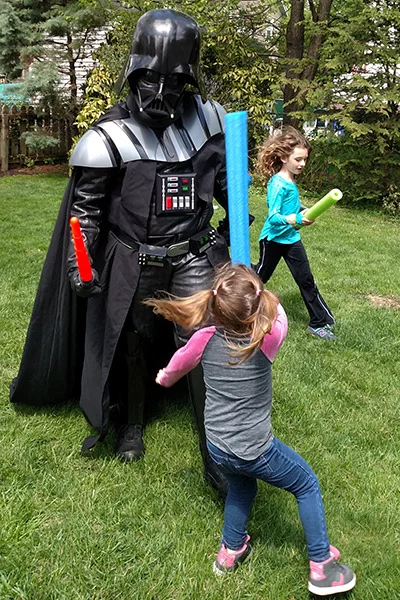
[
  {"x": 237, "y": 413},
  {"x": 238, "y": 397}
]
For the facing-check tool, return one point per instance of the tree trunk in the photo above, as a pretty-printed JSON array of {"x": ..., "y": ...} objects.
[
  {"x": 293, "y": 94},
  {"x": 294, "y": 52},
  {"x": 321, "y": 16}
]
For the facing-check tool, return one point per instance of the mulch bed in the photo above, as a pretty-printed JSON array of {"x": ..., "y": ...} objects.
[{"x": 37, "y": 170}]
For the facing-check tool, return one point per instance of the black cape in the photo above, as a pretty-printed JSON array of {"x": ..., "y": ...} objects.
[{"x": 51, "y": 363}]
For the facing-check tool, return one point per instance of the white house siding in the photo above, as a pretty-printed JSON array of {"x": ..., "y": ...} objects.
[{"x": 84, "y": 64}]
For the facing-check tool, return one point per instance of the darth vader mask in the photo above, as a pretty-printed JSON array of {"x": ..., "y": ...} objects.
[{"x": 158, "y": 97}]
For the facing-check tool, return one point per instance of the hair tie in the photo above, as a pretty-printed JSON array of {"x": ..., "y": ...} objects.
[
  {"x": 214, "y": 292},
  {"x": 258, "y": 292}
]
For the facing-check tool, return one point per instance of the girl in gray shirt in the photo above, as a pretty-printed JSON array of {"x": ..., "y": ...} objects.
[{"x": 241, "y": 327}]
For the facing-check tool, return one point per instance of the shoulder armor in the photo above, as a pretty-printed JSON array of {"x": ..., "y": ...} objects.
[
  {"x": 93, "y": 150},
  {"x": 215, "y": 116},
  {"x": 203, "y": 121},
  {"x": 126, "y": 140}
]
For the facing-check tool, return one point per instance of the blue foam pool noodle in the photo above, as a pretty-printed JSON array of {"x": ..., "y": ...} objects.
[{"x": 238, "y": 182}]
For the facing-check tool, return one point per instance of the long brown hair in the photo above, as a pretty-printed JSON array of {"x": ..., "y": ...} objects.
[
  {"x": 278, "y": 146},
  {"x": 237, "y": 302}
]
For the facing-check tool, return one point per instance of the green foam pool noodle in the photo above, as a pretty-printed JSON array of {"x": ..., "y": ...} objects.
[{"x": 322, "y": 205}]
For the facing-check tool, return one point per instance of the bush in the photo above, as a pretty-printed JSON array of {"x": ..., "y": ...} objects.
[
  {"x": 38, "y": 141},
  {"x": 364, "y": 173},
  {"x": 391, "y": 202}
]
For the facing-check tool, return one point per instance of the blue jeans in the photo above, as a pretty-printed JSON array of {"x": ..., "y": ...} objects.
[{"x": 283, "y": 468}]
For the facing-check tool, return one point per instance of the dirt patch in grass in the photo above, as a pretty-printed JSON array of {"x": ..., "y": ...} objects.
[
  {"x": 61, "y": 169},
  {"x": 384, "y": 301}
]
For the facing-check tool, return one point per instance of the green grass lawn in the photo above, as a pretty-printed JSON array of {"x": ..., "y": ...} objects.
[{"x": 92, "y": 528}]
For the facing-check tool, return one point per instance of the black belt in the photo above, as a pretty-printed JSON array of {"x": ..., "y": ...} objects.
[{"x": 156, "y": 255}]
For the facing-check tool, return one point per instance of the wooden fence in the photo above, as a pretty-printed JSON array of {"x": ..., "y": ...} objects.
[{"x": 15, "y": 121}]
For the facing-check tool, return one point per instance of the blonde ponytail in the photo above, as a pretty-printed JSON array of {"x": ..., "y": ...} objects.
[
  {"x": 190, "y": 312},
  {"x": 259, "y": 324}
]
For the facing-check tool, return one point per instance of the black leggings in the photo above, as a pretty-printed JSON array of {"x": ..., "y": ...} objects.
[{"x": 296, "y": 259}]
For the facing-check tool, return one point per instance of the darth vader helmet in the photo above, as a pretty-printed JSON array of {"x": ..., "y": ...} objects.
[{"x": 164, "y": 58}]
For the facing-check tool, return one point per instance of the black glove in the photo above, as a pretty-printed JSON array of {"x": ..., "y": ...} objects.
[
  {"x": 84, "y": 289},
  {"x": 223, "y": 228}
]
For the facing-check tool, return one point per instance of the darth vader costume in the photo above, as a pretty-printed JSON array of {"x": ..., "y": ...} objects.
[{"x": 143, "y": 182}]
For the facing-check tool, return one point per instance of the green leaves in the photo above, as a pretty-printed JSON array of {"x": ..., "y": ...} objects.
[{"x": 99, "y": 96}]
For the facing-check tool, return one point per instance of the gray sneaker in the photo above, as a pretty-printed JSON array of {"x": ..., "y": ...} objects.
[
  {"x": 324, "y": 333},
  {"x": 330, "y": 577}
]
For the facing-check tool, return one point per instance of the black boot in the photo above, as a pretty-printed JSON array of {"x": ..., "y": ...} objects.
[
  {"x": 212, "y": 473},
  {"x": 130, "y": 442},
  {"x": 216, "y": 479}
]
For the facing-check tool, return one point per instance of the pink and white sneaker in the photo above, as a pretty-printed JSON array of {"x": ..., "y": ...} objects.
[
  {"x": 330, "y": 577},
  {"x": 227, "y": 562}
]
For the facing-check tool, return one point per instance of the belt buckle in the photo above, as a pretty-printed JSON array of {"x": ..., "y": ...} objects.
[
  {"x": 151, "y": 255},
  {"x": 178, "y": 249}
]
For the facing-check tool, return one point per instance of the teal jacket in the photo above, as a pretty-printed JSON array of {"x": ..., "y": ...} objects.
[{"x": 282, "y": 199}]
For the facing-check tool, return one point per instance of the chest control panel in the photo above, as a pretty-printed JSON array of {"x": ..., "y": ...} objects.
[{"x": 176, "y": 193}]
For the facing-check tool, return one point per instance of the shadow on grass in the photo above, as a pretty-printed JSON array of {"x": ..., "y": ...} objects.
[
  {"x": 294, "y": 306},
  {"x": 272, "y": 522}
]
